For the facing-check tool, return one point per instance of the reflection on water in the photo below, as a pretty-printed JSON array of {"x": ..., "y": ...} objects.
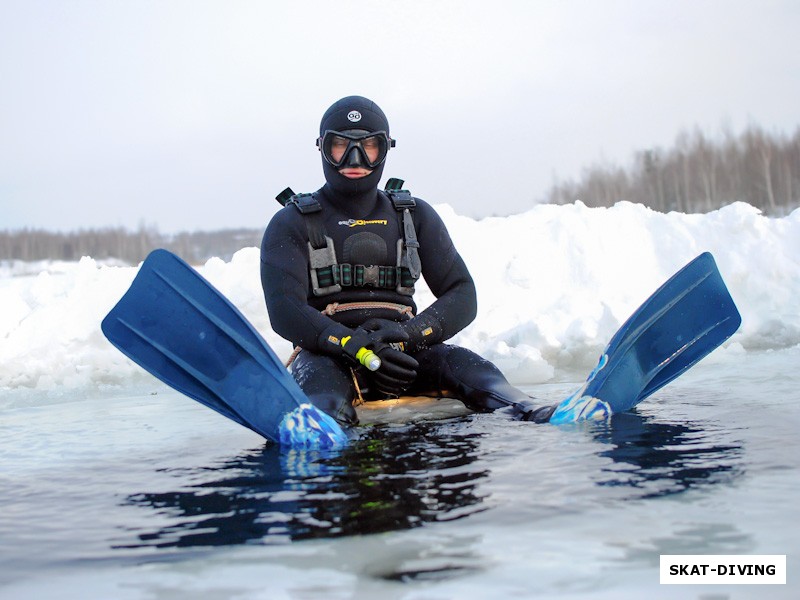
[
  {"x": 658, "y": 459},
  {"x": 402, "y": 477},
  {"x": 398, "y": 478}
]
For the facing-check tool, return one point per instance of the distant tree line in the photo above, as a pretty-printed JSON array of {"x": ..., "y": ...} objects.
[
  {"x": 698, "y": 175},
  {"x": 119, "y": 243}
]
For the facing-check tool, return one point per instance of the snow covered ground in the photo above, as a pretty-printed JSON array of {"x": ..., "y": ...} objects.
[{"x": 553, "y": 284}]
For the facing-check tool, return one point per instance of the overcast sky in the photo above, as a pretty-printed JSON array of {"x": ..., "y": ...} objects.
[{"x": 194, "y": 114}]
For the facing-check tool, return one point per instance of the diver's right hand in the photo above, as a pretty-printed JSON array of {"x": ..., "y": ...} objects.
[{"x": 397, "y": 372}]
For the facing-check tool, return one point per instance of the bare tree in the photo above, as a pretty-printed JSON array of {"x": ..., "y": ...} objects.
[
  {"x": 698, "y": 174},
  {"x": 118, "y": 243}
]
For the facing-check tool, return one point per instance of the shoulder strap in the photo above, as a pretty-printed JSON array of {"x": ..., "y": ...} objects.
[
  {"x": 401, "y": 199},
  {"x": 321, "y": 253},
  {"x": 311, "y": 209},
  {"x": 404, "y": 203}
]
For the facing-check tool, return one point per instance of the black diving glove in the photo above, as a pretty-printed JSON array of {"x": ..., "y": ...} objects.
[
  {"x": 419, "y": 332},
  {"x": 397, "y": 370}
]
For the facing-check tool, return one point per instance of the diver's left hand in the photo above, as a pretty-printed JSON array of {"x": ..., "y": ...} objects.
[{"x": 397, "y": 372}]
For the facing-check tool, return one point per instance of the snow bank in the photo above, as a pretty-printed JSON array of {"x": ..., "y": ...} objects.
[{"x": 554, "y": 284}]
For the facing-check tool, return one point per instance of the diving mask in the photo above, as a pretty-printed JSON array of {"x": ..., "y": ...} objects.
[{"x": 355, "y": 147}]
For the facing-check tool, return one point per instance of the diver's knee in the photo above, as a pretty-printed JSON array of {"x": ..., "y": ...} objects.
[
  {"x": 337, "y": 406},
  {"x": 327, "y": 384}
]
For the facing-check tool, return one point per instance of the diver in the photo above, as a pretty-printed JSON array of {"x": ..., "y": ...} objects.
[{"x": 338, "y": 269}]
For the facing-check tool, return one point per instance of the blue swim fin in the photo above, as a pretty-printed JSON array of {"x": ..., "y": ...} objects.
[
  {"x": 178, "y": 327},
  {"x": 683, "y": 321},
  {"x": 181, "y": 329}
]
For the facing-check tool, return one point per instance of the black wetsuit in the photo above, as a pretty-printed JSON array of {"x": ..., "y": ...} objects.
[{"x": 365, "y": 229}]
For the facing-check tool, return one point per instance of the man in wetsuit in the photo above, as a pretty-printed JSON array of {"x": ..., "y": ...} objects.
[{"x": 338, "y": 269}]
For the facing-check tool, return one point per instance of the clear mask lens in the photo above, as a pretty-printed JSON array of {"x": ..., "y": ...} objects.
[{"x": 355, "y": 148}]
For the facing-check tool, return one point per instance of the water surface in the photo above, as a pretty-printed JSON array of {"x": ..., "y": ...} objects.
[{"x": 146, "y": 494}]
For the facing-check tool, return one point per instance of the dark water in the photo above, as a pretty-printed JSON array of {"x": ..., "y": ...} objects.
[
  {"x": 653, "y": 459},
  {"x": 400, "y": 477},
  {"x": 393, "y": 478}
]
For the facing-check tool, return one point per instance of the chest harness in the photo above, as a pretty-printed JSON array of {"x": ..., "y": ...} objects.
[{"x": 328, "y": 276}]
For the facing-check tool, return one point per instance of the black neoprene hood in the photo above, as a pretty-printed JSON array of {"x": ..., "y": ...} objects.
[{"x": 354, "y": 112}]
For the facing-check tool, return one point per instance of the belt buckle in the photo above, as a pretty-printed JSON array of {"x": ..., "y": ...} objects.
[{"x": 372, "y": 275}]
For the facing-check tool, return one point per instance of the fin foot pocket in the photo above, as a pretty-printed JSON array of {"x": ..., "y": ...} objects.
[
  {"x": 581, "y": 408},
  {"x": 308, "y": 427}
]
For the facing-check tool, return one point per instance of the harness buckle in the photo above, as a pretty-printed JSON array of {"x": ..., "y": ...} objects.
[
  {"x": 372, "y": 276},
  {"x": 323, "y": 258}
]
